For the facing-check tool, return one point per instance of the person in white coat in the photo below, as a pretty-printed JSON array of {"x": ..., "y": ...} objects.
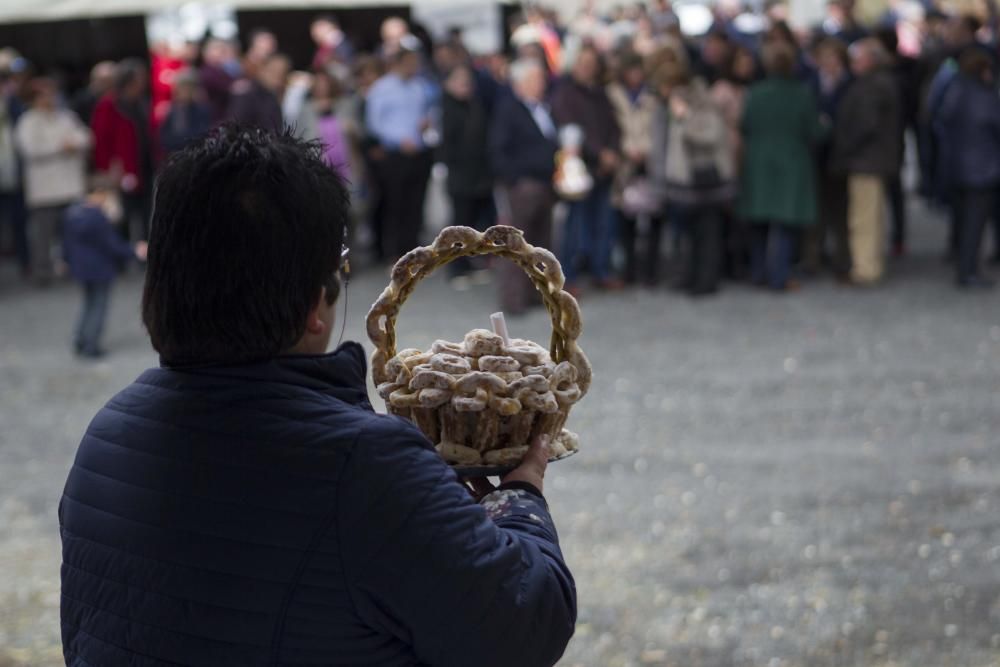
[{"x": 53, "y": 143}]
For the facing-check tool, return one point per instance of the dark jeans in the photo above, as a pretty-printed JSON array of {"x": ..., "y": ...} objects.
[
  {"x": 771, "y": 254},
  {"x": 831, "y": 222},
  {"x": 704, "y": 226},
  {"x": 476, "y": 211},
  {"x": 977, "y": 205},
  {"x": 91, "y": 323},
  {"x": 404, "y": 188},
  {"x": 589, "y": 235},
  {"x": 897, "y": 206},
  {"x": 14, "y": 214},
  {"x": 647, "y": 268}
]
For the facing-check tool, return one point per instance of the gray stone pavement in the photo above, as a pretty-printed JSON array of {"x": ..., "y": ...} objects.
[{"x": 808, "y": 479}]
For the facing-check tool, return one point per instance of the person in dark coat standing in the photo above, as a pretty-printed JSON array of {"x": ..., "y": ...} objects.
[
  {"x": 188, "y": 118},
  {"x": 969, "y": 119},
  {"x": 95, "y": 252},
  {"x": 778, "y": 195},
  {"x": 464, "y": 150},
  {"x": 256, "y": 102},
  {"x": 832, "y": 79},
  {"x": 589, "y": 236},
  {"x": 866, "y": 148},
  {"x": 242, "y": 504},
  {"x": 523, "y": 154}
]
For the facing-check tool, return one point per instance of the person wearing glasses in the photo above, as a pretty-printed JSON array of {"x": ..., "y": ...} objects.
[{"x": 242, "y": 504}]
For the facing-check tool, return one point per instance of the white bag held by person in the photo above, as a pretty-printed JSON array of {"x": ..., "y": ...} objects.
[{"x": 572, "y": 181}]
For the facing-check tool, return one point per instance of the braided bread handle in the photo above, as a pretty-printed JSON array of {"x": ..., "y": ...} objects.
[{"x": 541, "y": 266}]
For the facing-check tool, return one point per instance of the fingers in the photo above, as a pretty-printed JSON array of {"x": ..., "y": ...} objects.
[{"x": 538, "y": 454}]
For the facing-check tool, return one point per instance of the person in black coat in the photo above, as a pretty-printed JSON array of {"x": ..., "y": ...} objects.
[
  {"x": 523, "y": 154},
  {"x": 969, "y": 122},
  {"x": 242, "y": 504},
  {"x": 463, "y": 149}
]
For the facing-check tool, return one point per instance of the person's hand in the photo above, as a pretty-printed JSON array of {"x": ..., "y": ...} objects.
[
  {"x": 533, "y": 465},
  {"x": 70, "y": 146},
  {"x": 637, "y": 157},
  {"x": 141, "y": 250}
]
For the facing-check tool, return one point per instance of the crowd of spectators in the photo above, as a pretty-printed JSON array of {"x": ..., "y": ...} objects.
[{"x": 754, "y": 152}]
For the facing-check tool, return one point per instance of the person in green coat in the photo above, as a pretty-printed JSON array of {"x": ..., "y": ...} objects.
[{"x": 781, "y": 125}]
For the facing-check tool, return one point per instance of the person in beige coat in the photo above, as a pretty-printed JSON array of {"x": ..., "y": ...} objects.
[
  {"x": 632, "y": 196},
  {"x": 53, "y": 144}
]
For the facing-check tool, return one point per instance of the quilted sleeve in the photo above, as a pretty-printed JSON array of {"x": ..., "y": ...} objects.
[{"x": 429, "y": 566}]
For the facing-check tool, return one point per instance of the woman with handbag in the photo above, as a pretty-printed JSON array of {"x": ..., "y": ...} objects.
[
  {"x": 691, "y": 164},
  {"x": 632, "y": 194}
]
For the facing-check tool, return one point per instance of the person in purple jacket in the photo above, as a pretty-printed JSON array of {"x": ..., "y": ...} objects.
[{"x": 95, "y": 252}]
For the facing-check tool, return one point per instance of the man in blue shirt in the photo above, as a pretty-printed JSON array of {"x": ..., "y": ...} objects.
[{"x": 398, "y": 114}]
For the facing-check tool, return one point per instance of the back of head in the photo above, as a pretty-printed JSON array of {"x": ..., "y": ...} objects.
[
  {"x": 779, "y": 59},
  {"x": 246, "y": 232}
]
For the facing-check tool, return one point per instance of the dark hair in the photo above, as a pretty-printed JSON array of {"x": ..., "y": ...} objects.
[
  {"x": 890, "y": 40},
  {"x": 247, "y": 230},
  {"x": 975, "y": 62},
  {"x": 127, "y": 71},
  {"x": 971, "y": 23}
]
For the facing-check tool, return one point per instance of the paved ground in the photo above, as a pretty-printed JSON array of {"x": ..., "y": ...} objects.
[{"x": 810, "y": 479}]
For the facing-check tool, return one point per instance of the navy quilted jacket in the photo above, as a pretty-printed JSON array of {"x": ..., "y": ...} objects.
[{"x": 265, "y": 515}]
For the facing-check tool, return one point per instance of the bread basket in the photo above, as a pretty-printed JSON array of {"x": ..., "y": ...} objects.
[{"x": 482, "y": 401}]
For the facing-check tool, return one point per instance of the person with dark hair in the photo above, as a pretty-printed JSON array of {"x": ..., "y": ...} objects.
[
  {"x": 332, "y": 45},
  {"x": 53, "y": 144},
  {"x": 904, "y": 73},
  {"x": 589, "y": 236},
  {"x": 398, "y": 113},
  {"x": 778, "y": 194},
  {"x": 257, "y": 101},
  {"x": 969, "y": 123},
  {"x": 246, "y": 487},
  {"x": 832, "y": 79},
  {"x": 464, "y": 151},
  {"x": 123, "y": 142},
  {"x": 260, "y": 46},
  {"x": 95, "y": 252}
]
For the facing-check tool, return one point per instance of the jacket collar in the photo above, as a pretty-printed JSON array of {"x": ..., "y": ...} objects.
[{"x": 340, "y": 374}]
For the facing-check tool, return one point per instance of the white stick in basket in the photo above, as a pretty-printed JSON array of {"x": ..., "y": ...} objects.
[{"x": 500, "y": 327}]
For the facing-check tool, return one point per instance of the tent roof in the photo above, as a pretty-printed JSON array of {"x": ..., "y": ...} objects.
[{"x": 18, "y": 11}]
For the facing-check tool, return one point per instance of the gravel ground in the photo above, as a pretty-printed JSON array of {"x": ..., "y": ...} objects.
[{"x": 810, "y": 479}]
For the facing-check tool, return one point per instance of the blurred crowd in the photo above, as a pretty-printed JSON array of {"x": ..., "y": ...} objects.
[{"x": 754, "y": 152}]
